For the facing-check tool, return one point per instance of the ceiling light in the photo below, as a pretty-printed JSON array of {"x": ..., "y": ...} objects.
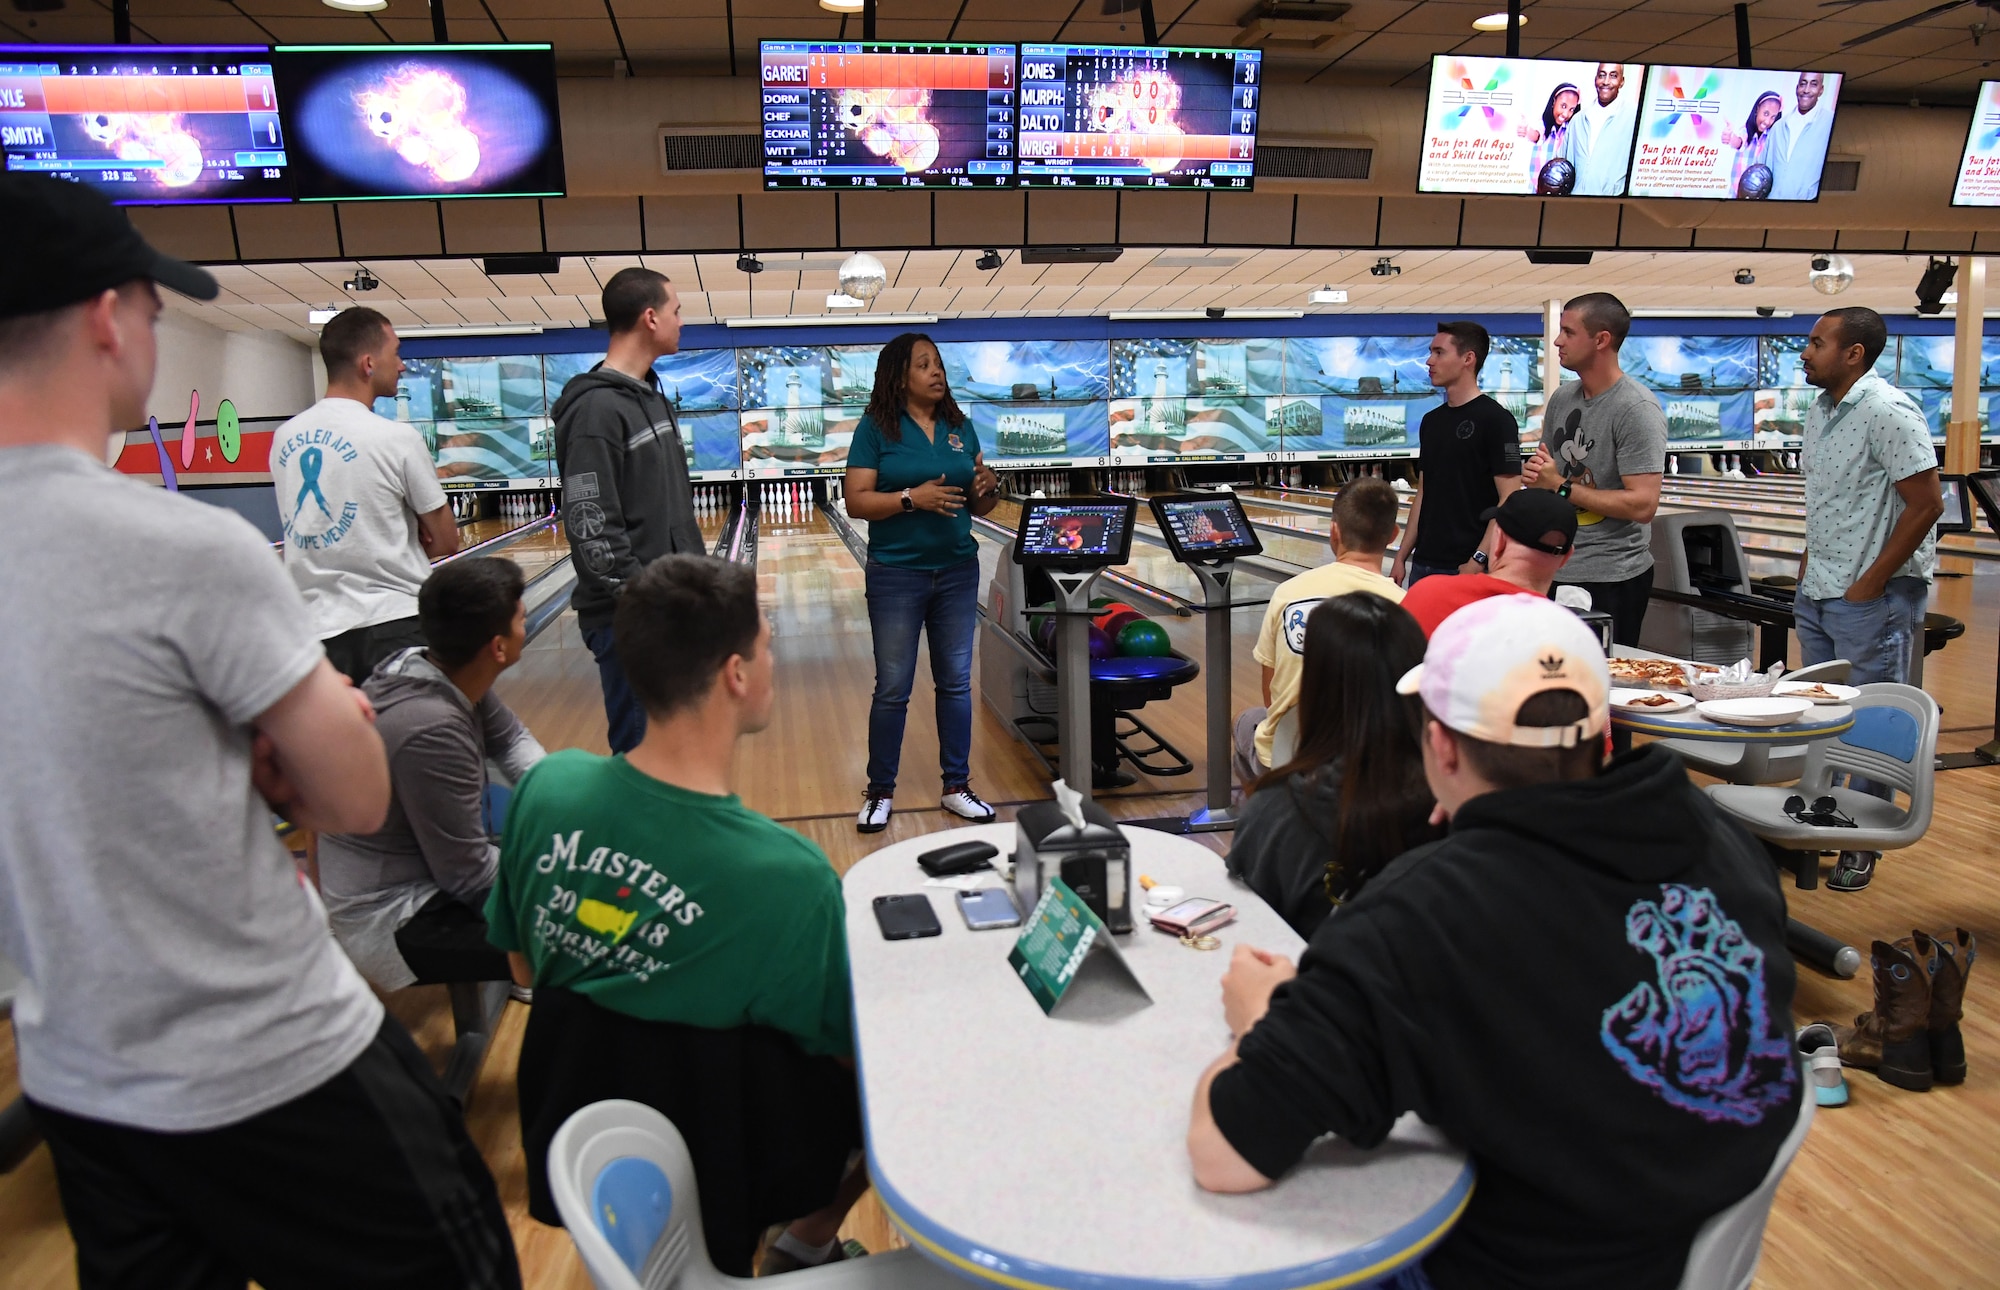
[
  {"x": 356, "y": 6},
  {"x": 320, "y": 317},
  {"x": 748, "y": 263},
  {"x": 1327, "y": 296},
  {"x": 362, "y": 280},
  {"x": 830, "y": 320},
  {"x": 841, "y": 300},
  {"x": 1384, "y": 268},
  {"x": 842, "y": 6},
  {"x": 1948, "y": 298},
  {"x": 1493, "y": 22}
]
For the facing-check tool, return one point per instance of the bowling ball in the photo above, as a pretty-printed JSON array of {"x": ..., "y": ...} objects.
[
  {"x": 229, "y": 431},
  {"x": 1099, "y": 602},
  {"x": 1035, "y": 624},
  {"x": 1755, "y": 185},
  {"x": 1100, "y": 643},
  {"x": 1144, "y": 638},
  {"x": 1557, "y": 178},
  {"x": 1045, "y": 635},
  {"x": 1114, "y": 616}
]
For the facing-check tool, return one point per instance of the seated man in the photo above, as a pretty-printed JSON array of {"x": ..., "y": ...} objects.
[
  {"x": 405, "y": 901},
  {"x": 1584, "y": 984},
  {"x": 685, "y": 951},
  {"x": 1364, "y": 524},
  {"x": 1533, "y": 532}
]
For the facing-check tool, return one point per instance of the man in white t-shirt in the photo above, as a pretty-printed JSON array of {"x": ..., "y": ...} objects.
[
  {"x": 1798, "y": 154},
  {"x": 360, "y": 502},
  {"x": 1364, "y": 524},
  {"x": 223, "y": 1097}
]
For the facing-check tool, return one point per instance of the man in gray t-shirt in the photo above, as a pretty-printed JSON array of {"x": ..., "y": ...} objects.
[
  {"x": 1604, "y": 447},
  {"x": 222, "y": 1095}
]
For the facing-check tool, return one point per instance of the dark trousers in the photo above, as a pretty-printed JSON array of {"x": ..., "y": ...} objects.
[
  {"x": 1418, "y": 571},
  {"x": 356, "y": 652},
  {"x": 624, "y": 719},
  {"x": 368, "y": 1180},
  {"x": 1625, "y": 601},
  {"x": 769, "y": 1127},
  {"x": 446, "y": 941}
]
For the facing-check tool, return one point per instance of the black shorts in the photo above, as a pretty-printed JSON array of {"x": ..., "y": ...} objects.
[
  {"x": 355, "y": 653},
  {"x": 368, "y": 1180}
]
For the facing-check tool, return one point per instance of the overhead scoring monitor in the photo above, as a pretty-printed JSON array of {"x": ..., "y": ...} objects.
[
  {"x": 1111, "y": 117},
  {"x": 1205, "y": 527},
  {"x": 1061, "y": 533},
  {"x": 154, "y": 124},
  {"x": 854, "y": 114}
]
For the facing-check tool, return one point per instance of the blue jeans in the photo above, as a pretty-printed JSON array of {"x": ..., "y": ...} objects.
[
  {"x": 625, "y": 719},
  {"x": 1418, "y": 571},
  {"x": 1876, "y": 636},
  {"x": 943, "y": 605}
]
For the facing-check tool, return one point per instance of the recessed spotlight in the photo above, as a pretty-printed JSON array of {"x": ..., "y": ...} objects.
[
  {"x": 1327, "y": 296},
  {"x": 842, "y": 6},
  {"x": 1491, "y": 22},
  {"x": 356, "y": 6}
]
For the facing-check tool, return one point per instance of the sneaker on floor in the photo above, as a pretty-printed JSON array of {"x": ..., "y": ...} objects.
[
  {"x": 1853, "y": 870},
  {"x": 1820, "y": 1048},
  {"x": 965, "y": 804},
  {"x": 521, "y": 994},
  {"x": 874, "y": 815}
]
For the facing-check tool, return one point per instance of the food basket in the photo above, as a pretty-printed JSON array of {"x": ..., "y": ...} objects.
[{"x": 1707, "y": 686}]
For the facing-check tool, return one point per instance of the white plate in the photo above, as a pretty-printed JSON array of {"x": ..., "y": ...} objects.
[
  {"x": 1755, "y": 712},
  {"x": 1625, "y": 701},
  {"x": 1793, "y": 690}
]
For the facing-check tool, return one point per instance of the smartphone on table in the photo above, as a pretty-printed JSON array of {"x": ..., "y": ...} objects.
[
  {"x": 987, "y": 908},
  {"x": 905, "y": 918}
]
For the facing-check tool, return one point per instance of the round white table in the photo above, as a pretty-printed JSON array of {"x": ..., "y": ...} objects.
[
  {"x": 1823, "y": 721},
  {"x": 1050, "y": 1151}
]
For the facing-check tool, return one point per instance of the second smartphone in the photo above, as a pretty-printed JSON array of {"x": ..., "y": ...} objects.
[{"x": 987, "y": 908}]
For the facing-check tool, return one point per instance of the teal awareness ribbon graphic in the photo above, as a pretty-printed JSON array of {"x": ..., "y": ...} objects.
[{"x": 310, "y": 462}]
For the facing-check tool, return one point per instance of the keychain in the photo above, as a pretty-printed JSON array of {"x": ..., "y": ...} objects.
[{"x": 1202, "y": 942}]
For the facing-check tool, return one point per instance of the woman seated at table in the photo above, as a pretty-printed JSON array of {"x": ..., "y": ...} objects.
[{"x": 1353, "y": 796}]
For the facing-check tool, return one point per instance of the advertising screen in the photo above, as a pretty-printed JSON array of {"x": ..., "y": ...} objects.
[
  {"x": 149, "y": 125},
  {"x": 370, "y": 122},
  {"x": 848, "y": 114},
  {"x": 1734, "y": 132},
  {"x": 1096, "y": 116},
  {"x": 1979, "y": 170},
  {"x": 1529, "y": 126}
]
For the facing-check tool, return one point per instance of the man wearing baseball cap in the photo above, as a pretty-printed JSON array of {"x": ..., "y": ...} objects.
[
  {"x": 223, "y": 1096},
  {"x": 1533, "y": 533},
  {"x": 1584, "y": 984}
]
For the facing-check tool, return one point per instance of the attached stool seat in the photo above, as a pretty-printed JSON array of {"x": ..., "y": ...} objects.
[
  {"x": 1940, "y": 630},
  {"x": 624, "y": 1183},
  {"x": 1118, "y": 688},
  {"x": 1726, "y": 1249},
  {"x": 18, "y": 1134}
]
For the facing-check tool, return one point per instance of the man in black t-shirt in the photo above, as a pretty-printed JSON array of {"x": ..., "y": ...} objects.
[{"x": 1468, "y": 459}]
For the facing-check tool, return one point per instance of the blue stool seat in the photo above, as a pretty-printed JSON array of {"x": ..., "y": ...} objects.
[{"x": 1171, "y": 670}]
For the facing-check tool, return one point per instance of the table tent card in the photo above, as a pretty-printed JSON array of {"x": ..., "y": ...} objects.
[{"x": 1064, "y": 952}]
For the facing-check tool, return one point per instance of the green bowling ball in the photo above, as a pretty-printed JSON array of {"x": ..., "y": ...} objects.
[{"x": 1143, "y": 638}]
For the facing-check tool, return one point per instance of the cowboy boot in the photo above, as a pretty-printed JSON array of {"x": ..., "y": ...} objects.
[
  {"x": 1893, "y": 1040},
  {"x": 1948, "y": 1002}
]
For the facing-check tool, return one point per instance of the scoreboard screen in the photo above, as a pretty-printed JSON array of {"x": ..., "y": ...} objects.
[
  {"x": 150, "y": 125},
  {"x": 852, "y": 114},
  {"x": 1104, "y": 117}
]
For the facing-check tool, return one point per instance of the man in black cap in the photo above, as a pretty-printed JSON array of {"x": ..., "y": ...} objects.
[
  {"x": 1533, "y": 532},
  {"x": 223, "y": 1096}
]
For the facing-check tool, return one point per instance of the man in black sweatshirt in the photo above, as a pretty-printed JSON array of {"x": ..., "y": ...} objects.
[
  {"x": 1585, "y": 985},
  {"x": 626, "y": 496}
]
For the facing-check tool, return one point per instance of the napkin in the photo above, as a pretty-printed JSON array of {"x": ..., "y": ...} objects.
[{"x": 1070, "y": 803}]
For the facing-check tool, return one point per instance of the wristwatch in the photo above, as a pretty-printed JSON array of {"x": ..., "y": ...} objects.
[
  {"x": 1479, "y": 558},
  {"x": 1562, "y": 490},
  {"x": 908, "y": 505}
]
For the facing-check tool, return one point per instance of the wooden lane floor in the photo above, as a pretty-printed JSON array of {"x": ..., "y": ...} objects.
[{"x": 1896, "y": 1189}]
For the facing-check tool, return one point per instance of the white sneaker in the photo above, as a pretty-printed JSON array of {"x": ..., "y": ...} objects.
[
  {"x": 521, "y": 994},
  {"x": 874, "y": 815},
  {"x": 965, "y": 804}
]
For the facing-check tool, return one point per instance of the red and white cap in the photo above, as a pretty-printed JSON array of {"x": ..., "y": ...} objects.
[{"x": 1492, "y": 656}]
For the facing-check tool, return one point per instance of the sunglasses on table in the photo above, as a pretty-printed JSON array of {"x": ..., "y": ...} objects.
[{"x": 1824, "y": 812}]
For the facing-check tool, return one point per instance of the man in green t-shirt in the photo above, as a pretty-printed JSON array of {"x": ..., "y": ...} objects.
[{"x": 685, "y": 951}]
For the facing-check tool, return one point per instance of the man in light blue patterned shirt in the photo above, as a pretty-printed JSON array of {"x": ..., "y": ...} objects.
[{"x": 1872, "y": 507}]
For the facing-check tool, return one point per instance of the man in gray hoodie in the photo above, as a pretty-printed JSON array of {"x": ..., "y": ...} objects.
[
  {"x": 406, "y": 901},
  {"x": 627, "y": 499}
]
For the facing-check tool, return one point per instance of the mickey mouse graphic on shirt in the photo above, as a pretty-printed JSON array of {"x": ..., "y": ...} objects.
[{"x": 1571, "y": 450}]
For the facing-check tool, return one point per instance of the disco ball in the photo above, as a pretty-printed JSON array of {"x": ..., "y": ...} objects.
[
  {"x": 862, "y": 276},
  {"x": 1755, "y": 185},
  {"x": 1558, "y": 177},
  {"x": 1836, "y": 277}
]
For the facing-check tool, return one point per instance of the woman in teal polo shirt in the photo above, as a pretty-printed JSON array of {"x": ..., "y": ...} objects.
[{"x": 916, "y": 475}]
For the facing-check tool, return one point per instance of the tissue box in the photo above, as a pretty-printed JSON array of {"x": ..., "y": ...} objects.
[{"x": 1095, "y": 861}]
